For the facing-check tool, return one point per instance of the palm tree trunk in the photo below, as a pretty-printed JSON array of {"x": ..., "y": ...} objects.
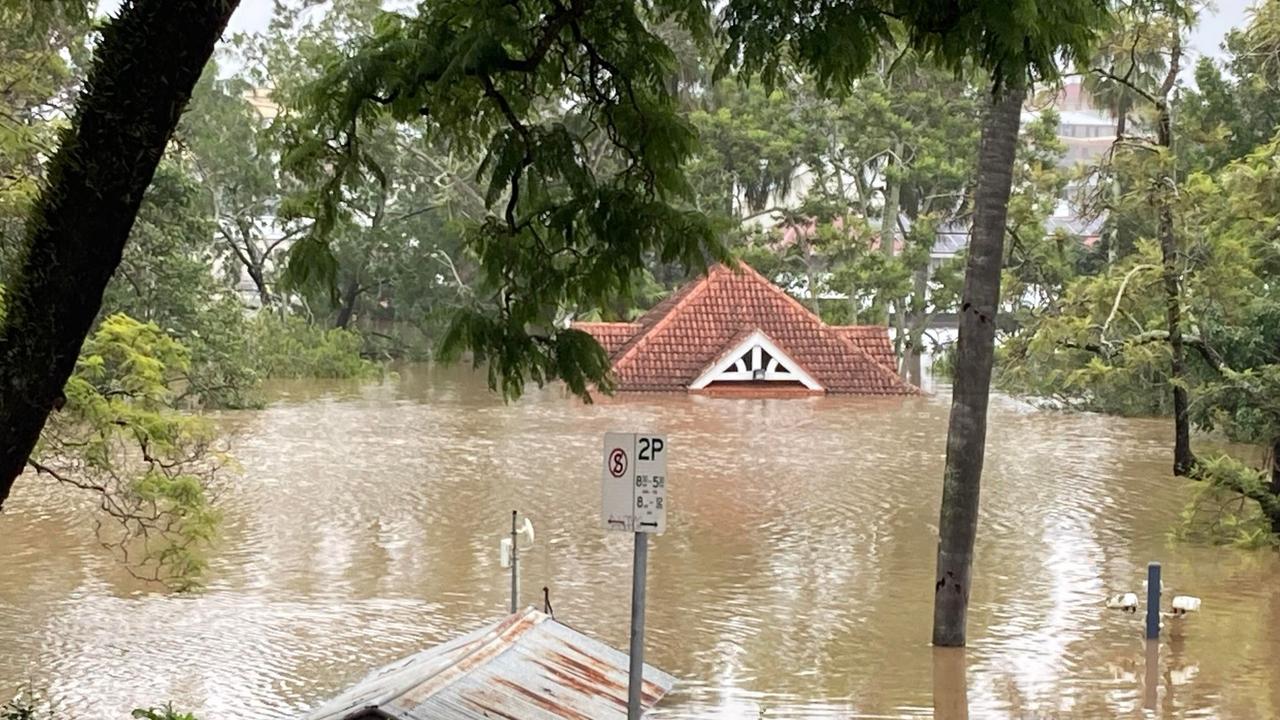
[
  {"x": 146, "y": 65},
  {"x": 967, "y": 432}
]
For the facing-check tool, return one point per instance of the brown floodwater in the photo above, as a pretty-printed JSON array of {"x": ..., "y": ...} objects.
[{"x": 795, "y": 579}]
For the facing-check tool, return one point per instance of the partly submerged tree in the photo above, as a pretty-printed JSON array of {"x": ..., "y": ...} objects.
[
  {"x": 150, "y": 467},
  {"x": 145, "y": 65},
  {"x": 1030, "y": 41},
  {"x": 1028, "y": 44}
]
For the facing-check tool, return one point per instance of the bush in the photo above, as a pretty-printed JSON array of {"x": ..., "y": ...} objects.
[
  {"x": 23, "y": 706},
  {"x": 1226, "y": 506},
  {"x": 162, "y": 713},
  {"x": 293, "y": 348}
]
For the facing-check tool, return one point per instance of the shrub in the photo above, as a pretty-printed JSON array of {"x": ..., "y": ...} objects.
[
  {"x": 162, "y": 713},
  {"x": 291, "y": 347}
]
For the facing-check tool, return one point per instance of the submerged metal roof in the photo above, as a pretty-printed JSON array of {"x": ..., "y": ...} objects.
[{"x": 524, "y": 667}]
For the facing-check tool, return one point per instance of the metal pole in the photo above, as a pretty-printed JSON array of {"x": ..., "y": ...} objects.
[
  {"x": 636, "y": 682},
  {"x": 515, "y": 566},
  {"x": 1153, "y": 600}
]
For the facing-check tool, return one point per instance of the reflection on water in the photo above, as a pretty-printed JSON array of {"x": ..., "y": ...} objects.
[
  {"x": 950, "y": 686},
  {"x": 795, "y": 580}
]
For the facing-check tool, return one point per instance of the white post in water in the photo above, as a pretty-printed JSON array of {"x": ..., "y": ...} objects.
[
  {"x": 509, "y": 554},
  {"x": 634, "y": 499},
  {"x": 515, "y": 565}
]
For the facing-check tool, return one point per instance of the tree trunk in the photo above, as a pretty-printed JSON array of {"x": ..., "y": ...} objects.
[
  {"x": 1183, "y": 459},
  {"x": 349, "y": 294},
  {"x": 967, "y": 431},
  {"x": 888, "y": 241},
  {"x": 258, "y": 275},
  {"x": 919, "y": 322},
  {"x": 1163, "y": 195},
  {"x": 810, "y": 278},
  {"x": 1275, "y": 467},
  {"x": 145, "y": 67}
]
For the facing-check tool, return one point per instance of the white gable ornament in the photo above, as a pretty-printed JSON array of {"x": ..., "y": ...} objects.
[{"x": 756, "y": 359}]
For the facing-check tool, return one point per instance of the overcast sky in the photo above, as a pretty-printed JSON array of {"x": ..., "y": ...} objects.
[{"x": 253, "y": 16}]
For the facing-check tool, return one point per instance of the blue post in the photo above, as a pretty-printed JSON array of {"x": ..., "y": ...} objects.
[{"x": 1153, "y": 600}]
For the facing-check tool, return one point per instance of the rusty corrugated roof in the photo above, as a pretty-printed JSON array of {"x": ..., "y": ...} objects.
[{"x": 524, "y": 667}]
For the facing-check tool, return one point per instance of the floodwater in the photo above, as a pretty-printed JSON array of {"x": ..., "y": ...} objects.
[{"x": 795, "y": 579}]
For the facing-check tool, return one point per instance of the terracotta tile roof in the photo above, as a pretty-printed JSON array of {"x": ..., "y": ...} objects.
[
  {"x": 871, "y": 339},
  {"x": 610, "y": 335},
  {"x": 681, "y": 337}
]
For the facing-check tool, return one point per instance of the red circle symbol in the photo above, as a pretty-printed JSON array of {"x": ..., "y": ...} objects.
[{"x": 617, "y": 462}]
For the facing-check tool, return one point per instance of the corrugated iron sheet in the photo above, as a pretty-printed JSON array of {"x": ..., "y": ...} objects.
[{"x": 525, "y": 667}]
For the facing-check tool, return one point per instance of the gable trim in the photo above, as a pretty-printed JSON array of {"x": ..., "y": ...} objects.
[{"x": 746, "y": 362}]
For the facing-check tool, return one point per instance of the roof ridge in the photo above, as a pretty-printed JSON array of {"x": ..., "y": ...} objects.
[
  {"x": 632, "y": 345},
  {"x": 825, "y": 328},
  {"x": 783, "y": 293},
  {"x": 485, "y": 647}
]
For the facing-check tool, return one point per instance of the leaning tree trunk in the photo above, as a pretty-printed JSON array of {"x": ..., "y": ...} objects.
[
  {"x": 967, "y": 431},
  {"x": 144, "y": 69}
]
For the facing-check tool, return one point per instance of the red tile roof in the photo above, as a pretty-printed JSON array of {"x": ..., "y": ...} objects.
[
  {"x": 679, "y": 339},
  {"x": 871, "y": 339},
  {"x": 610, "y": 335}
]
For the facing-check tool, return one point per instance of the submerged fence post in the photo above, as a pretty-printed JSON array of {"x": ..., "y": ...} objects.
[{"x": 1153, "y": 600}]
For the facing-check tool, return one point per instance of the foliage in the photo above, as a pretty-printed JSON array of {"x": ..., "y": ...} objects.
[
  {"x": 1224, "y": 508},
  {"x": 1103, "y": 344},
  {"x": 24, "y": 705},
  {"x": 229, "y": 150},
  {"x": 161, "y": 713},
  {"x": 42, "y": 41},
  {"x": 825, "y": 170},
  {"x": 837, "y": 43},
  {"x": 1231, "y": 110},
  {"x": 290, "y": 347},
  {"x": 165, "y": 277},
  {"x": 569, "y": 110},
  {"x": 151, "y": 467}
]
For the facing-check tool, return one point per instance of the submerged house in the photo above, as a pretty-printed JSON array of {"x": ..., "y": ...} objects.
[
  {"x": 733, "y": 332},
  {"x": 527, "y": 666}
]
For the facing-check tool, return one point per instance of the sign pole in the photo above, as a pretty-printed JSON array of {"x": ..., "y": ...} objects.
[
  {"x": 515, "y": 565},
  {"x": 634, "y": 500},
  {"x": 635, "y": 686},
  {"x": 1153, "y": 600}
]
